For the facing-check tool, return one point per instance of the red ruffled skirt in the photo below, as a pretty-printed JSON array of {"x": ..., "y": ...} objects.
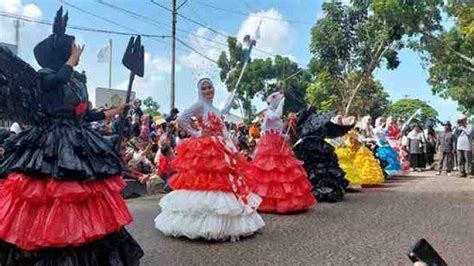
[
  {"x": 202, "y": 164},
  {"x": 279, "y": 177},
  {"x": 45, "y": 213}
]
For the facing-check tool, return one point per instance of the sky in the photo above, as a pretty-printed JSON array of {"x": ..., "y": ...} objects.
[{"x": 285, "y": 30}]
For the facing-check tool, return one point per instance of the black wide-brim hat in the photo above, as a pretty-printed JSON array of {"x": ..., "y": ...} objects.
[{"x": 54, "y": 51}]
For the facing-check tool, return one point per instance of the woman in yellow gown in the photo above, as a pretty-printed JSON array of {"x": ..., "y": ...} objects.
[
  {"x": 360, "y": 165},
  {"x": 346, "y": 154}
]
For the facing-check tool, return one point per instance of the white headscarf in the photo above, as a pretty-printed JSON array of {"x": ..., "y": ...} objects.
[
  {"x": 365, "y": 122},
  {"x": 379, "y": 122},
  {"x": 390, "y": 121},
  {"x": 199, "y": 109},
  {"x": 202, "y": 82},
  {"x": 274, "y": 100},
  {"x": 272, "y": 114}
]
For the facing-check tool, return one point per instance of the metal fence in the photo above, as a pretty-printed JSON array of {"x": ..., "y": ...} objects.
[{"x": 5, "y": 123}]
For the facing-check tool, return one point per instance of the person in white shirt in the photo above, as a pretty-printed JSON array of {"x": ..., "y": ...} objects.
[
  {"x": 15, "y": 128},
  {"x": 464, "y": 146}
]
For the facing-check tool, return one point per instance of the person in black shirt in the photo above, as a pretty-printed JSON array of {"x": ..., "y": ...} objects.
[{"x": 173, "y": 115}]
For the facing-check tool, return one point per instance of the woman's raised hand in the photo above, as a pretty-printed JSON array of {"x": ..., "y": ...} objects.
[{"x": 76, "y": 52}]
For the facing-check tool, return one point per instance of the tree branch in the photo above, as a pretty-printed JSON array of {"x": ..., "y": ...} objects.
[
  {"x": 373, "y": 63},
  {"x": 466, "y": 58},
  {"x": 471, "y": 69}
]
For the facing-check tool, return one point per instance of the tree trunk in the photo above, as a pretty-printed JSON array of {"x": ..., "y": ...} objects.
[{"x": 373, "y": 63}]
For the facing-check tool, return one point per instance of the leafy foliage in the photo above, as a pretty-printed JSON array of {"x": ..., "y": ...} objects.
[
  {"x": 353, "y": 40},
  {"x": 449, "y": 56},
  {"x": 152, "y": 107},
  {"x": 261, "y": 77},
  {"x": 404, "y": 108},
  {"x": 329, "y": 94}
]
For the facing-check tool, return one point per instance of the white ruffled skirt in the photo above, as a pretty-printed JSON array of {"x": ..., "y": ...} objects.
[{"x": 211, "y": 215}]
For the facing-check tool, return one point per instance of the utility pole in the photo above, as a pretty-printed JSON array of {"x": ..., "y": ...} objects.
[
  {"x": 17, "y": 36},
  {"x": 173, "y": 57},
  {"x": 110, "y": 64}
]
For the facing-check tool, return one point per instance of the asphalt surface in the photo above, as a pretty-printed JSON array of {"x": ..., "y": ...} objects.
[{"x": 374, "y": 227}]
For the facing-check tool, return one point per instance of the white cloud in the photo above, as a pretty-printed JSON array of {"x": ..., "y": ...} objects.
[
  {"x": 163, "y": 65},
  {"x": 275, "y": 37},
  {"x": 32, "y": 11},
  {"x": 274, "y": 34},
  {"x": 30, "y": 33},
  {"x": 11, "y": 6},
  {"x": 208, "y": 45}
]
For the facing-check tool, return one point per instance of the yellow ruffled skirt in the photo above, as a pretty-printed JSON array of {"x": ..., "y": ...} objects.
[
  {"x": 346, "y": 158},
  {"x": 369, "y": 170}
]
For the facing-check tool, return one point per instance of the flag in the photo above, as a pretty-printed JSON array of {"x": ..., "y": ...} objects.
[
  {"x": 104, "y": 54},
  {"x": 257, "y": 31}
]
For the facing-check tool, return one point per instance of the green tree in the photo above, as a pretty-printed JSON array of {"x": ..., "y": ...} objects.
[
  {"x": 404, "y": 108},
  {"x": 152, "y": 107},
  {"x": 449, "y": 56},
  {"x": 351, "y": 41},
  {"x": 330, "y": 94},
  {"x": 261, "y": 77},
  {"x": 295, "y": 90}
]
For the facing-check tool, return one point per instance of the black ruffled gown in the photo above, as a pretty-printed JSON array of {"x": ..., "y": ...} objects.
[
  {"x": 319, "y": 157},
  {"x": 60, "y": 184}
]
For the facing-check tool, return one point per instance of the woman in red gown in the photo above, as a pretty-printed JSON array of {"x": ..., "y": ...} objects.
[
  {"x": 210, "y": 199},
  {"x": 279, "y": 177}
]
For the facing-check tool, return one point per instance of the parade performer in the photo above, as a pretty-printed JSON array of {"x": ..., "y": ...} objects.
[
  {"x": 359, "y": 163},
  {"x": 387, "y": 155},
  {"x": 368, "y": 167},
  {"x": 280, "y": 178},
  {"x": 60, "y": 201},
  {"x": 367, "y": 132},
  {"x": 210, "y": 199},
  {"x": 394, "y": 139},
  {"x": 320, "y": 160},
  {"x": 346, "y": 148},
  {"x": 346, "y": 153}
]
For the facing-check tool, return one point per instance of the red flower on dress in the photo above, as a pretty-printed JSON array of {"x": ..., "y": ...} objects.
[
  {"x": 212, "y": 127},
  {"x": 81, "y": 109}
]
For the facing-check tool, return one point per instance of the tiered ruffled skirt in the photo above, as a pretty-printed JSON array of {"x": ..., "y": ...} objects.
[
  {"x": 279, "y": 178},
  {"x": 204, "y": 202},
  {"x": 77, "y": 217},
  {"x": 48, "y": 222},
  {"x": 368, "y": 167},
  {"x": 402, "y": 154},
  {"x": 346, "y": 157},
  {"x": 390, "y": 159},
  {"x": 324, "y": 172}
]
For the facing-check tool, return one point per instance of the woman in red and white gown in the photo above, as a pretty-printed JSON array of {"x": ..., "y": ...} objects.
[
  {"x": 394, "y": 138},
  {"x": 279, "y": 177},
  {"x": 210, "y": 199}
]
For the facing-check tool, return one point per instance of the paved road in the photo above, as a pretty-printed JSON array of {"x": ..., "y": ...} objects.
[{"x": 374, "y": 227}]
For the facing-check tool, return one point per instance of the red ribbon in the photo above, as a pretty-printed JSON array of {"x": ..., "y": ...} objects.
[{"x": 81, "y": 109}]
